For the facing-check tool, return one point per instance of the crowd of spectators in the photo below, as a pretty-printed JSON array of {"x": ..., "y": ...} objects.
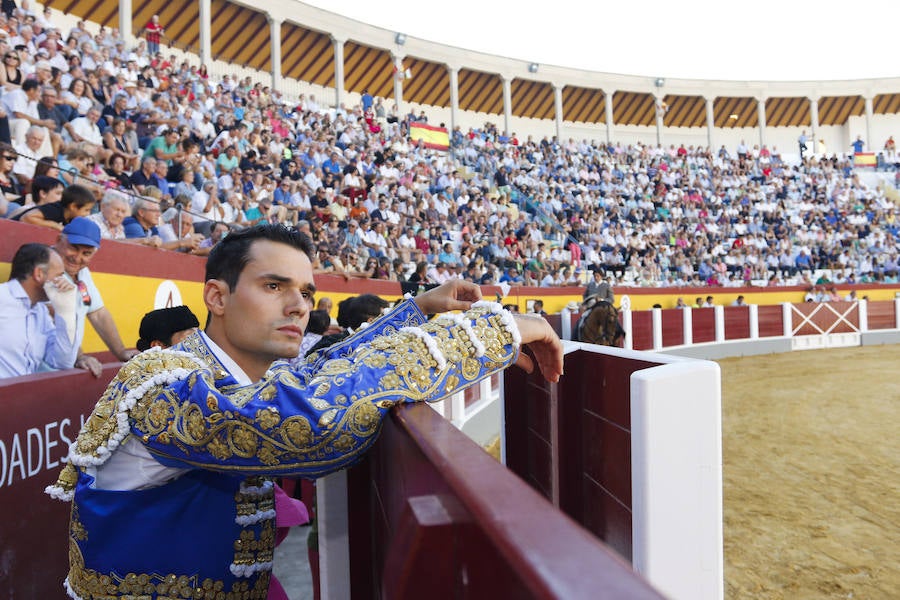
[{"x": 176, "y": 158}]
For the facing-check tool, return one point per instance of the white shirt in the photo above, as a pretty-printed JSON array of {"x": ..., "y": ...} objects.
[{"x": 32, "y": 339}]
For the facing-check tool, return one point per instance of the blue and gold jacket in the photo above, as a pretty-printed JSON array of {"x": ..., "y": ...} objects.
[{"x": 210, "y": 533}]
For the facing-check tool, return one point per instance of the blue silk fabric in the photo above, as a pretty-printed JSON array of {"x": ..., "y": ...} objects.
[{"x": 182, "y": 540}]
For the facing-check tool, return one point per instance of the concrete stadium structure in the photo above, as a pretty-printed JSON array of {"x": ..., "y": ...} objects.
[{"x": 306, "y": 50}]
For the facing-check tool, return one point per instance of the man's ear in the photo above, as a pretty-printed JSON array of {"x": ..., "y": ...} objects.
[
  {"x": 215, "y": 296},
  {"x": 39, "y": 275}
]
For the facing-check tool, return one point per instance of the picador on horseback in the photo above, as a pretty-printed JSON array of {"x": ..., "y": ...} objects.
[{"x": 599, "y": 321}]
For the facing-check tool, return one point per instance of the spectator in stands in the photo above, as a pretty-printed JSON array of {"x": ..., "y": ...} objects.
[
  {"x": 153, "y": 31},
  {"x": 29, "y": 152},
  {"x": 33, "y": 338},
  {"x": 166, "y": 327},
  {"x": 77, "y": 245},
  {"x": 739, "y": 301},
  {"x": 248, "y": 340},
  {"x": 142, "y": 226},
  {"x": 113, "y": 211},
  {"x": 76, "y": 201},
  {"x": 858, "y": 145},
  {"x": 44, "y": 190},
  {"x": 144, "y": 177}
]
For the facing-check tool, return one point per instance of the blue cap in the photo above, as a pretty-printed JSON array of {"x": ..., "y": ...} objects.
[{"x": 81, "y": 231}]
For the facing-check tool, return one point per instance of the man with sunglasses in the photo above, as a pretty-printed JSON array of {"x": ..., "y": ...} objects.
[{"x": 77, "y": 244}]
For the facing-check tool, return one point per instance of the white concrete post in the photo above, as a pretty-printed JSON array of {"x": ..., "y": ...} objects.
[
  {"x": 786, "y": 311},
  {"x": 869, "y": 110},
  {"x": 720, "y": 323},
  {"x": 863, "y": 315},
  {"x": 126, "y": 22},
  {"x": 566, "y": 324},
  {"x": 334, "y": 545},
  {"x": 609, "y": 115},
  {"x": 626, "y": 325},
  {"x": 656, "y": 317},
  {"x": 507, "y": 104},
  {"x": 205, "y": 32},
  {"x": 659, "y": 118},
  {"x": 754, "y": 321},
  {"x": 454, "y": 97},
  {"x": 398, "y": 82},
  {"x": 814, "y": 120},
  {"x": 710, "y": 122},
  {"x": 897, "y": 313},
  {"x": 457, "y": 409},
  {"x": 688, "y": 325},
  {"x": 338, "y": 71},
  {"x": 558, "y": 105},
  {"x": 761, "y": 112},
  {"x": 275, "y": 35}
]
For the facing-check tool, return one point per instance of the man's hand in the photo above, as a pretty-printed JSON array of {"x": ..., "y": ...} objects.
[
  {"x": 456, "y": 294},
  {"x": 61, "y": 293},
  {"x": 544, "y": 343},
  {"x": 127, "y": 355},
  {"x": 89, "y": 363}
]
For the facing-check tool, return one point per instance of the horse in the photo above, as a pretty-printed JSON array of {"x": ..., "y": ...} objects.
[{"x": 599, "y": 323}]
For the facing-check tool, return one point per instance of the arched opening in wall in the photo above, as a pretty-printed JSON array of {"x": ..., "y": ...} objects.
[
  {"x": 307, "y": 55},
  {"x": 788, "y": 112},
  {"x": 532, "y": 99},
  {"x": 368, "y": 68},
  {"x": 735, "y": 112},
  {"x": 836, "y": 110},
  {"x": 584, "y": 105},
  {"x": 480, "y": 92},
  {"x": 684, "y": 111},
  {"x": 634, "y": 108}
]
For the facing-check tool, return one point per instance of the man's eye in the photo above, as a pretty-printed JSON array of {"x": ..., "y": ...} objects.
[{"x": 273, "y": 286}]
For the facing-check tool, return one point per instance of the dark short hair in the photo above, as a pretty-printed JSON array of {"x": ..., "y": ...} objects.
[
  {"x": 229, "y": 257},
  {"x": 353, "y": 312},
  {"x": 43, "y": 183},
  {"x": 318, "y": 321},
  {"x": 27, "y": 258},
  {"x": 77, "y": 195}
]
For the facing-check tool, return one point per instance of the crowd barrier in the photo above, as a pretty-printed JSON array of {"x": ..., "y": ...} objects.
[{"x": 42, "y": 414}]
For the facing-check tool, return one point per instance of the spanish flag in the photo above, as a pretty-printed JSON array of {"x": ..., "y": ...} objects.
[
  {"x": 432, "y": 137},
  {"x": 864, "y": 159}
]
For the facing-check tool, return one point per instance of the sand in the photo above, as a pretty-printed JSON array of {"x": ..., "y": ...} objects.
[{"x": 811, "y": 450}]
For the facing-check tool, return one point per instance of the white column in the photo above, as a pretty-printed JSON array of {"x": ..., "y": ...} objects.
[
  {"x": 507, "y": 104},
  {"x": 609, "y": 115},
  {"x": 275, "y": 36},
  {"x": 398, "y": 82},
  {"x": 626, "y": 325},
  {"x": 454, "y": 97},
  {"x": 687, "y": 325},
  {"x": 761, "y": 111},
  {"x": 338, "y": 71},
  {"x": 334, "y": 536},
  {"x": 659, "y": 118},
  {"x": 558, "y": 105},
  {"x": 814, "y": 120},
  {"x": 869, "y": 109},
  {"x": 754, "y": 321},
  {"x": 720, "y": 323},
  {"x": 863, "y": 307},
  {"x": 787, "y": 318},
  {"x": 897, "y": 313},
  {"x": 710, "y": 122},
  {"x": 656, "y": 323},
  {"x": 205, "y": 32},
  {"x": 126, "y": 22}
]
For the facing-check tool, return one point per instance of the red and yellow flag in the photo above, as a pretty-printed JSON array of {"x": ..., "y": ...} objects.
[
  {"x": 436, "y": 138},
  {"x": 864, "y": 159}
]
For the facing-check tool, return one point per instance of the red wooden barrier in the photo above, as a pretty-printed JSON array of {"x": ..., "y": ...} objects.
[
  {"x": 672, "y": 327},
  {"x": 434, "y": 515},
  {"x": 642, "y": 329},
  {"x": 572, "y": 442},
  {"x": 771, "y": 319},
  {"x": 737, "y": 322},
  {"x": 41, "y": 416},
  {"x": 882, "y": 314},
  {"x": 703, "y": 321}
]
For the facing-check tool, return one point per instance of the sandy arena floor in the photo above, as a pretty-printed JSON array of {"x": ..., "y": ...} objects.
[{"x": 811, "y": 448}]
